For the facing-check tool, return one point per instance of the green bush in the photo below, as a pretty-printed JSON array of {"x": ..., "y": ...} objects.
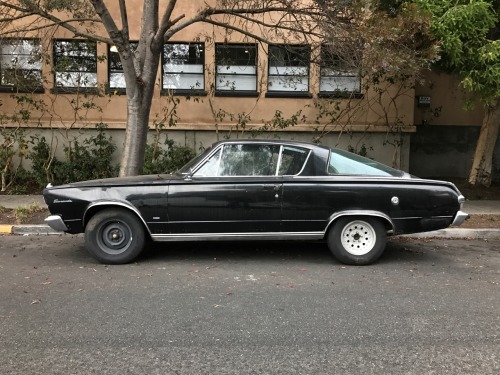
[
  {"x": 88, "y": 160},
  {"x": 165, "y": 158},
  {"x": 92, "y": 159}
]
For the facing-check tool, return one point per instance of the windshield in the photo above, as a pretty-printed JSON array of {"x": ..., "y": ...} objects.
[{"x": 343, "y": 162}]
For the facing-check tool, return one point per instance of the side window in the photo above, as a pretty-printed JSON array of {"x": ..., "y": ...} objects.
[
  {"x": 241, "y": 160},
  {"x": 292, "y": 160},
  {"x": 249, "y": 160}
]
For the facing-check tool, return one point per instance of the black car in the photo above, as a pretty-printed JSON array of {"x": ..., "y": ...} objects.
[{"x": 257, "y": 190}]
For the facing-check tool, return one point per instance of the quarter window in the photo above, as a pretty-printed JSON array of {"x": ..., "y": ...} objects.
[
  {"x": 288, "y": 68},
  {"x": 292, "y": 160},
  {"x": 347, "y": 163},
  {"x": 20, "y": 64},
  {"x": 339, "y": 72},
  {"x": 183, "y": 66},
  {"x": 236, "y": 67},
  {"x": 75, "y": 63}
]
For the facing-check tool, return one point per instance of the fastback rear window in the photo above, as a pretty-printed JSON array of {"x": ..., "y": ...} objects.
[{"x": 346, "y": 163}]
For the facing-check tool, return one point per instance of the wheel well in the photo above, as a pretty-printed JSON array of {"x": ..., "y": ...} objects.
[
  {"x": 91, "y": 211},
  {"x": 386, "y": 221}
]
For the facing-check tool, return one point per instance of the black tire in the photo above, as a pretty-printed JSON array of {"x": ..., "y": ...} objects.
[
  {"x": 357, "y": 240},
  {"x": 115, "y": 236}
]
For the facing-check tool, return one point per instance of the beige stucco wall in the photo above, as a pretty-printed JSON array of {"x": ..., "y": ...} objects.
[{"x": 447, "y": 100}]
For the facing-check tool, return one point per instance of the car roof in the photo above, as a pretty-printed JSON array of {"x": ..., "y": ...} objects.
[{"x": 309, "y": 145}]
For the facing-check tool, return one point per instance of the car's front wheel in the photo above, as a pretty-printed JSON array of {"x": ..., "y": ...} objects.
[
  {"x": 357, "y": 240},
  {"x": 114, "y": 236}
]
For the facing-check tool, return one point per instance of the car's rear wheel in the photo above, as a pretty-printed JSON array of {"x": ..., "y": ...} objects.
[
  {"x": 357, "y": 240},
  {"x": 114, "y": 236}
]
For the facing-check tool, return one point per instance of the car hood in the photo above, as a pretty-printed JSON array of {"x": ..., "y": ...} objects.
[{"x": 121, "y": 181}]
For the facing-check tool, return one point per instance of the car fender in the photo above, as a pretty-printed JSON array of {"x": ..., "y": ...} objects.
[
  {"x": 388, "y": 222},
  {"x": 100, "y": 205}
]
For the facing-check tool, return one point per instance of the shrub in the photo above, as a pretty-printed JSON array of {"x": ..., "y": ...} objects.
[{"x": 165, "y": 158}]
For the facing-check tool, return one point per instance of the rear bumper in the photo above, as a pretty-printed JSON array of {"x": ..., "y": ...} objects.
[
  {"x": 56, "y": 223},
  {"x": 459, "y": 218}
]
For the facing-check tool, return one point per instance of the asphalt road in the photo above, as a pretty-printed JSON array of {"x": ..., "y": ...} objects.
[{"x": 427, "y": 307}]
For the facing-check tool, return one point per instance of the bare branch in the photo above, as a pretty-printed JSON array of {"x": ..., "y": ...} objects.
[
  {"x": 107, "y": 21},
  {"x": 36, "y": 10},
  {"x": 124, "y": 17},
  {"x": 165, "y": 21}
]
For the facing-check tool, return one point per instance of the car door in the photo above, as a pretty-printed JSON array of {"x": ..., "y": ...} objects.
[{"x": 235, "y": 190}]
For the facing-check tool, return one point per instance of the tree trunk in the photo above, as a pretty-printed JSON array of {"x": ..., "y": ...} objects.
[
  {"x": 482, "y": 163},
  {"x": 140, "y": 89},
  {"x": 135, "y": 137}
]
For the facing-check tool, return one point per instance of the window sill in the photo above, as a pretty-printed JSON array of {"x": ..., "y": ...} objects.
[
  {"x": 340, "y": 95},
  {"x": 15, "y": 90},
  {"x": 181, "y": 92},
  {"x": 288, "y": 94},
  {"x": 237, "y": 93},
  {"x": 75, "y": 90}
]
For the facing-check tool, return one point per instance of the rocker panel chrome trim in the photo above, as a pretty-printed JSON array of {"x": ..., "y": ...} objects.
[{"x": 238, "y": 236}]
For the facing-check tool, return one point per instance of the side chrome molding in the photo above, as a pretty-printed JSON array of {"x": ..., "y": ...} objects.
[{"x": 238, "y": 236}]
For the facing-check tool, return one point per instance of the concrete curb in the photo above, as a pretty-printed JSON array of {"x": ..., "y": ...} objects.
[
  {"x": 27, "y": 229},
  {"x": 458, "y": 233}
]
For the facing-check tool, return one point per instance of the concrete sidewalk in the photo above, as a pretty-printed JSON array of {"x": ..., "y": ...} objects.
[{"x": 471, "y": 207}]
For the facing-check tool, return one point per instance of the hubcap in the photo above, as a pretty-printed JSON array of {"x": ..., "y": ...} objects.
[
  {"x": 358, "y": 237},
  {"x": 114, "y": 237}
]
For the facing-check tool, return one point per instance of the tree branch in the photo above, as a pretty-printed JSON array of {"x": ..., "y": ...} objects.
[
  {"x": 124, "y": 17},
  {"x": 108, "y": 21},
  {"x": 205, "y": 14},
  {"x": 165, "y": 22},
  {"x": 36, "y": 10}
]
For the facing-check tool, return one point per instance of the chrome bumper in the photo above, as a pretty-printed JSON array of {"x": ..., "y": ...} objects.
[
  {"x": 460, "y": 218},
  {"x": 56, "y": 223}
]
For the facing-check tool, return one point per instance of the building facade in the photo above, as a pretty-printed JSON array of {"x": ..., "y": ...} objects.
[{"x": 213, "y": 84}]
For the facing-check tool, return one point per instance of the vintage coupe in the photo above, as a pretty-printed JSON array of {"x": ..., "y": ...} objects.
[{"x": 257, "y": 190}]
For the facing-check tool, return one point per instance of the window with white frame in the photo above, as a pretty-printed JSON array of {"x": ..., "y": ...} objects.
[
  {"x": 20, "y": 64},
  {"x": 75, "y": 63},
  {"x": 116, "y": 77},
  {"x": 288, "y": 68},
  {"x": 339, "y": 71},
  {"x": 183, "y": 66},
  {"x": 236, "y": 67}
]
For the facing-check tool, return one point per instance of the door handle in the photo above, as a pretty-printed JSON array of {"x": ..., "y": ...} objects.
[{"x": 272, "y": 187}]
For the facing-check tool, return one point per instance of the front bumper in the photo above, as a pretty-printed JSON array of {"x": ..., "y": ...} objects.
[
  {"x": 459, "y": 218},
  {"x": 56, "y": 223}
]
